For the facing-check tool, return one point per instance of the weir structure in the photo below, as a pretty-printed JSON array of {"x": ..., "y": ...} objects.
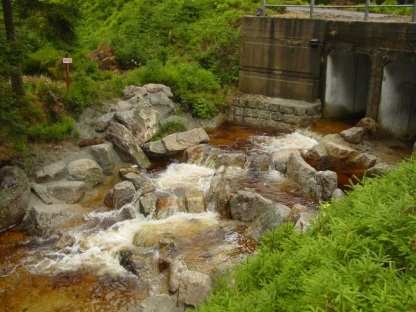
[{"x": 331, "y": 68}]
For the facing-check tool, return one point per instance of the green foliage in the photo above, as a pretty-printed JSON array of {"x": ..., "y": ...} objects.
[
  {"x": 169, "y": 128},
  {"x": 43, "y": 61},
  {"x": 360, "y": 255},
  {"x": 52, "y": 132}
]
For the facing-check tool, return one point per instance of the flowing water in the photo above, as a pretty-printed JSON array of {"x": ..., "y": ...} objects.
[{"x": 83, "y": 270}]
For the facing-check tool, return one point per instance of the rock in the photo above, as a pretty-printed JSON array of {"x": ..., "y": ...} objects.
[
  {"x": 160, "y": 303},
  {"x": 193, "y": 287},
  {"x": 148, "y": 204},
  {"x": 353, "y": 135},
  {"x": 108, "y": 199},
  {"x": 362, "y": 160},
  {"x": 304, "y": 221},
  {"x": 280, "y": 159},
  {"x": 14, "y": 196},
  {"x": 86, "y": 170},
  {"x": 269, "y": 220},
  {"x": 122, "y": 106},
  {"x": 124, "y": 140},
  {"x": 51, "y": 172},
  {"x": 155, "y": 148},
  {"x": 90, "y": 142},
  {"x": 378, "y": 170},
  {"x": 260, "y": 162},
  {"x": 247, "y": 206},
  {"x": 142, "y": 183},
  {"x": 104, "y": 155},
  {"x": 208, "y": 156},
  {"x": 317, "y": 157},
  {"x": 43, "y": 220},
  {"x": 155, "y": 88},
  {"x": 101, "y": 124},
  {"x": 169, "y": 204},
  {"x": 305, "y": 175},
  {"x": 178, "y": 142},
  {"x": 369, "y": 124},
  {"x": 132, "y": 91},
  {"x": 339, "y": 152},
  {"x": 123, "y": 194},
  {"x": 195, "y": 201},
  {"x": 328, "y": 181},
  {"x": 41, "y": 191},
  {"x": 128, "y": 119},
  {"x": 148, "y": 124},
  {"x": 338, "y": 194},
  {"x": 70, "y": 192}
]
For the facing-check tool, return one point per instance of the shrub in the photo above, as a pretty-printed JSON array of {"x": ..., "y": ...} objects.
[
  {"x": 169, "y": 128},
  {"x": 53, "y": 132},
  {"x": 43, "y": 61}
]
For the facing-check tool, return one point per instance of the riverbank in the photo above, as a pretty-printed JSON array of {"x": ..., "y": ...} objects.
[{"x": 358, "y": 255}]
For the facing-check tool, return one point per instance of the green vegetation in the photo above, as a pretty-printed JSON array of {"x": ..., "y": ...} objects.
[
  {"x": 360, "y": 255},
  {"x": 169, "y": 127}
]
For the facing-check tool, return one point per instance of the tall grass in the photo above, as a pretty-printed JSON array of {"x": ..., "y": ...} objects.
[{"x": 359, "y": 255}]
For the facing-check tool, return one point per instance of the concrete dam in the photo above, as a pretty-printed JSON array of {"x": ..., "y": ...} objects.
[{"x": 297, "y": 69}]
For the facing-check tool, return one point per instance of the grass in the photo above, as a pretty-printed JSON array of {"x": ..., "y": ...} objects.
[{"x": 359, "y": 255}]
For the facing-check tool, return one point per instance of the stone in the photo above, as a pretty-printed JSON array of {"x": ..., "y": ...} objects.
[
  {"x": 269, "y": 220},
  {"x": 127, "y": 119},
  {"x": 280, "y": 159},
  {"x": 123, "y": 194},
  {"x": 378, "y": 170},
  {"x": 160, "y": 303},
  {"x": 142, "y": 183},
  {"x": 369, "y": 124},
  {"x": 363, "y": 160},
  {"x": 260, "y": 162},
  {"x": 317, "y": 157},
  {"x": 339, "y": 152},
  {"x": 14, "y": 196},
  {"x": 304, "y": 221},
  {"x": 122, "y": 106},
  {"x": 148, "y": 204},
  {"x": 51, "y": 172},
  {"x": 44, "y": 220},
  {"x": 132, "y": 91},
  {"x": 90, "y": 141},
  {"x": 328, "y": 181},
  {"x": 304, "y": 175},
  {"x": 337, "y": 194},
  {"x": 70, "y": 192},
  {"x": 41, "y": 191},
  {"x": 246, "y": 206},
  {"x": 86, "y": 170},
  {"x": 193, "y": 287},
  {"x": 101, "y": 124},
  {"x": 124, "y": 140},
  {"x": 155, "y": 148},
  {"x": 104, "y": 155},
  {"x": 195, "y": 201},
  {"x": 155, "y": 88},
  {"x": 148, "y": 121},
  {"x": 354, "y": 135},
  {"x": 178, "y": 142},
  {"x": 169, "y": 204}
]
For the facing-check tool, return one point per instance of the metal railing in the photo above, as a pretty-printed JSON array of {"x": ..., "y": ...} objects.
[{"x": 312, "y": 6}]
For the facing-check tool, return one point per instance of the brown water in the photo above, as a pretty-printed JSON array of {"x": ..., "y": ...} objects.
[{"x": 203, "y": 247}]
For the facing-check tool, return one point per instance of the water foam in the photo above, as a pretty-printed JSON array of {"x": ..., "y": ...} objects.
[
  {"x": 187, "y": 176},
  {"x": 292, "y": 141}
]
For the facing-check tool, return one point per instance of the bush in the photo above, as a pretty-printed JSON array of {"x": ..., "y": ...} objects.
[
  {"x": 169, "y": 128},
  {"x": 43, "y": 61},
  {"x": 53, "y": 132},
  {"x": 359, "y": 255}
]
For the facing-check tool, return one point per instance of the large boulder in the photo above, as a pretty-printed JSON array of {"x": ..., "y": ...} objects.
[
  {"x": 354, "y": 135},
  {"x": 52, "y": 172},
  {"x": 141, "y": 182},
  {"x": 160, "y": 303},
  {"x": 247, "y": 206},
  {"x": 126, "y": 143},
  {"x": 44, "y": 220},
  {"x": 269, "y": 220},
  {"x": 192, "y": 287},
  {"x": 86, "y": 170},
  {"x": 195, "y": 201},
  {"x": 70, "y": 192},
  {"x": 148, "y": 203},
  {"x": 319, "y": 185},
  {"x": 123, "y": 193},
  {"x": 169, "y": 204},
  {"x": 104, "y": 155},
  {"x": 369, "y": 124},
  {"x": 178, "y": 142},
  {"x": 14, "y": 196},
  {"x": 208, "y": 156}
]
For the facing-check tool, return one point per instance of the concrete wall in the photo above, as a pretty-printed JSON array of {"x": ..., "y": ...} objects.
[
  {"x": 347, "y": 82},
  {"x": 398, "y": 98},
  {"x": 344, "y": 70}
]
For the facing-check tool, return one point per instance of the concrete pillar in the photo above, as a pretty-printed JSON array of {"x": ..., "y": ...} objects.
[{"x": 374, "y": 88}]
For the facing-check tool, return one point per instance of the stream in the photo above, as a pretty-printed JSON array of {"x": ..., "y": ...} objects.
[{"x": 84, "y": 270}]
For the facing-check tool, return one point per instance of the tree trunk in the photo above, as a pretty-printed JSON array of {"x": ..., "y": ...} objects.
[{"x": 16, "y": 72}]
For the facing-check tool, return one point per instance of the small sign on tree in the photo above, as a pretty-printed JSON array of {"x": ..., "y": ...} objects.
[{"x": 67, "y": 60}]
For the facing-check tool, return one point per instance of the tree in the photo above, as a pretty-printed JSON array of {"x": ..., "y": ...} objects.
[{"x": 15, "y": 72}]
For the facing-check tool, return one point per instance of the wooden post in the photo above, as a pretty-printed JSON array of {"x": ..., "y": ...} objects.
[{"x": 67, "y": 61}]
